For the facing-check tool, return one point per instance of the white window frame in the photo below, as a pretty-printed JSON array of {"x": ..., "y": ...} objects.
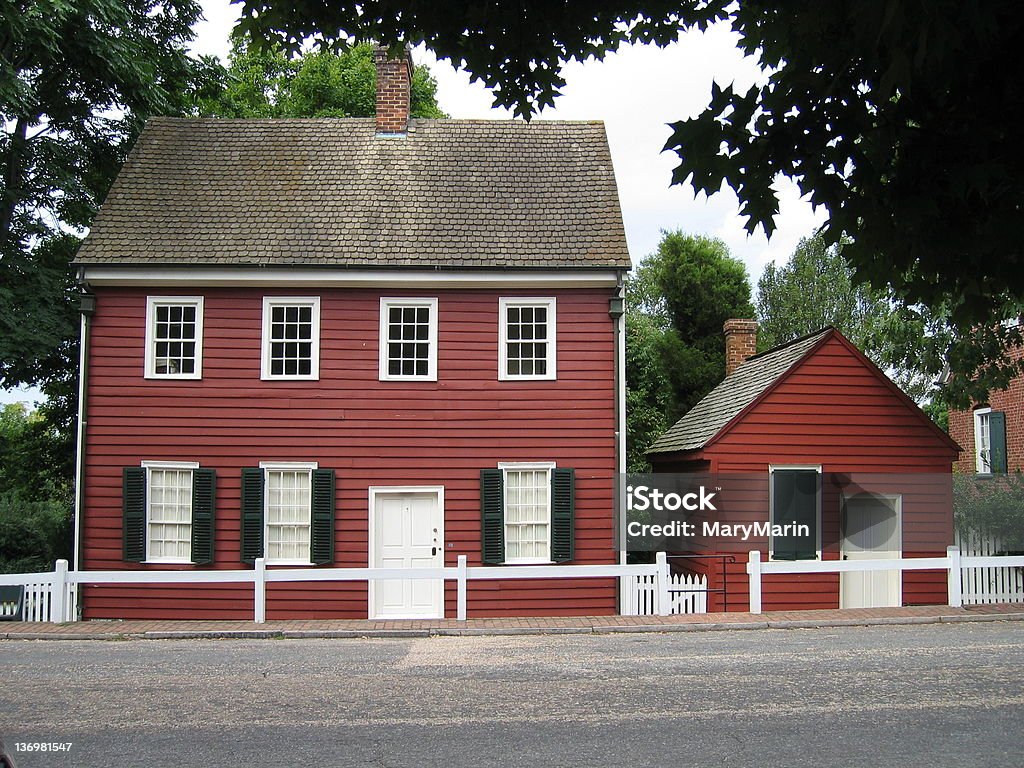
[
  {"x": 771, "y": 503},
  {"x": 982, "y": 429},
  {"x": 285, "y": 466},
  {"x": 531, "y": 466},
  {"x": 181, "y": 466},
  {"x": 388, "y": 303},
  {"x": 548, "y": 303},
  {"x": 152, "y": 302},
  {"x": 269, "y": 302}
]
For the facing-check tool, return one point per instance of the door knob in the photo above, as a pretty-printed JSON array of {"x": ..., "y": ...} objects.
[{"x": 433, "y": 551}]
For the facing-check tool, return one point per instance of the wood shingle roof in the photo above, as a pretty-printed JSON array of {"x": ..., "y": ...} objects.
[{"x": 331, "y": 192}]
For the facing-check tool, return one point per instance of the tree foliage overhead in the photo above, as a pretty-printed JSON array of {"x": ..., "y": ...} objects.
[
  {"x": 677, "y": 302},
  {"x": 76, "y": 82},
  {"x": 901, "y": 117},
  {"x": 263, "y": 82}
]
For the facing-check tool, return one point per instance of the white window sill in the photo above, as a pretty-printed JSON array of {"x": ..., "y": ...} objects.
[
  {"x": 530, "y": 562},
  {"x": 167, "y": 562},
  {"x": 289, "y": 563}
]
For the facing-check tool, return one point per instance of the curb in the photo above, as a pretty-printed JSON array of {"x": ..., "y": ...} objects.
[{"x": 597, "y": 629}]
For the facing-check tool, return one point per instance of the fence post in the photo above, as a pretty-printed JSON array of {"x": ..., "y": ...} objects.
[
  {"x": 260, "y": 590},
  {"x": 661, "y": 579},
  {"x": 754, "y": 570},
  {"x": 461, "y": 601},
  {"x": 956, "y": 598},
  {"x": 59, "y": 592}
]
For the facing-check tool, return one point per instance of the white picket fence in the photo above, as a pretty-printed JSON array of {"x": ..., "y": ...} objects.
[
  {"x": 688, "y": 593},
  {"x": 39, "y": 596},
  {"x": 988, "y": 585}
]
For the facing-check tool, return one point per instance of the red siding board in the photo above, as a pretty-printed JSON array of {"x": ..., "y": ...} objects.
[{"x": 371, "y": 432}]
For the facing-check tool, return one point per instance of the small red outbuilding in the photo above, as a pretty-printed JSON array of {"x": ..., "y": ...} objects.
[{"x": 817, "y": 413}]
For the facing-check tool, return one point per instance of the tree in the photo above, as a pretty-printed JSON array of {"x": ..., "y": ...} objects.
[
  {"x": 898, "y": 117},
  {"x": 677, "y": 301},
  {"x": 265, "y": 82},
  {"x": 35, "y": 493},
  {"x": 76, "y": 82},
  {"x": 816, "y": 288}
]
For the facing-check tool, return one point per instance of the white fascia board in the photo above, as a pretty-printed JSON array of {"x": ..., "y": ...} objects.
[{"x": 305, "y": 277}]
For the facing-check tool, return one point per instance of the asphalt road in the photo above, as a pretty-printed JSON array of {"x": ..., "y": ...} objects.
[{"x": 935, "y": 695}]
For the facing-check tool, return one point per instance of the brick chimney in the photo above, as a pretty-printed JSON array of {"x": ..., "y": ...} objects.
[
  {"x": 394, "y": 78},
  {"x": 740, "y": 342}
]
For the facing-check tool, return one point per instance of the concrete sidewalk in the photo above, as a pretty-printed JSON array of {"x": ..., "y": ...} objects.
[{"x": 340, "y": 628}]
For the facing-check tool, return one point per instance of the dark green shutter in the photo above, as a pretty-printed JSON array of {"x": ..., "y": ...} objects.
[
  {"x": 204, "y": 489},
  {"x": 492, "y": 516},
  {"x": 321, "y": 545},
  {"x": 795, "y": 494},
  {"x": 563, "y": 507},
  {"x": 133, "y": 499},
  {"x": 252, "y": 514},
  {"x": 997, "y": 441}
]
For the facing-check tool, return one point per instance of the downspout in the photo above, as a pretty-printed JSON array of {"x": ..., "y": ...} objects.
[
  {"x": 616, "y": 308},
  {"x": 88, "y": 307}
]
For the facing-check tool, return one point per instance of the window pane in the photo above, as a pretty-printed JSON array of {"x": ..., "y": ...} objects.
[
  {"x": 170, "y": 514},
  {"x": 408, "y": 349},
  {"x": 526, "y": 348},
  {"x": 174, "y": 339},
  {"x": 527, "y": 514}
]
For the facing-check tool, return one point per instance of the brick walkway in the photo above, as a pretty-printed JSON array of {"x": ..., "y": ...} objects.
[{"x": 156, "y": 629}]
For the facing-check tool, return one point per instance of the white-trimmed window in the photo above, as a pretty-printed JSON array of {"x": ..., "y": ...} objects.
[
  {"x": 408, "y": 339},
  {"x": 527, "y": 512},
  {"x": 288, "y": 513},
  {"x": 169, "y": 500},
  {"x": 174, "y": 337},
  {"x": 983, "y": 440},
  {"x": 291, "y": 337},
  {"x": 526, "y": 346},
  {"x": 795, "y": 500}
]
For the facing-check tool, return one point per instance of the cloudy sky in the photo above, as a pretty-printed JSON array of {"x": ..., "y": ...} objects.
[{"x": 636, "y": 92}]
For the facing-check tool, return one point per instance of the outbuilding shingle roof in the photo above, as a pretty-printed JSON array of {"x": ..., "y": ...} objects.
[
  {"x": 723, "y": 403},
  {"x": 449, "y": 194}
]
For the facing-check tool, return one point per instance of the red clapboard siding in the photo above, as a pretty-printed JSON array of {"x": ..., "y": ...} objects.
[
  {"x": 372, "y": 433},
  {"x": 832, "y": 409}
]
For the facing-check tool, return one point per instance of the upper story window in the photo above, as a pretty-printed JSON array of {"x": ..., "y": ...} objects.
[
  {"x": 408, "y": 339},
  {"x": 990, "y": 441},
  {"x": 527, "y": 339},
  {"x": 291, "y": 338},
  {"x": 174, "y": 337}
]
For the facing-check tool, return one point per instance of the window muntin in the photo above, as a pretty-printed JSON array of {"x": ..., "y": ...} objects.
[
  {"x": 527, "y": 339},
  {"x": 408, "y": 333},
  {"x": 983, "y": 440},
  {"x": 291, "y": 338},
  {"x": 527, "y": 512},
  {"x": 169, "y": 512},
  {"x": 288, "y": 513},
  {"x": 174, "y": 337}
]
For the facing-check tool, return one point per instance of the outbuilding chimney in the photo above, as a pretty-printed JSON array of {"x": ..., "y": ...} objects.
[
  {"x": 394, "y": 78},
  {"x": 740, "y": 342}
]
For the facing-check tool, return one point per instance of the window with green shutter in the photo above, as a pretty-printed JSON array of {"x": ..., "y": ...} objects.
[
  {"x": 796, "y": 505},
  {"x": 288, "y": 514},
  {"x": 527, "y": 513},
  {"x": 168, "y": 513}
]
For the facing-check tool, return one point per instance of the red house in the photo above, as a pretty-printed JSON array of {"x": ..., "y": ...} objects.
[
  {"x": 352, "y": 343},
  {"x": 837, "y": 446}
]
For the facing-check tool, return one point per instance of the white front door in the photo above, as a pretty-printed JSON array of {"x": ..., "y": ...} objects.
[
  {"x": 406, "y": 531},
  {"x": 871, "y": 531}
]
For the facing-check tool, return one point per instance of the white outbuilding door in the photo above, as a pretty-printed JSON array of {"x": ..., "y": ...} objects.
[{"x": 871, "y": 531}]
